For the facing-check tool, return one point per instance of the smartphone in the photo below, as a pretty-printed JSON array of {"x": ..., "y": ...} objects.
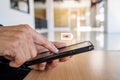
[
  {"x": 48, "y": 56},
  {"x": 73, "y": 49}
]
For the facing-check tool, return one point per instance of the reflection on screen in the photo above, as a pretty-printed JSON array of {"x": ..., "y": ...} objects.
[
  {"x": 64, "y": 49},
  {"x": 75, "y": 46}
]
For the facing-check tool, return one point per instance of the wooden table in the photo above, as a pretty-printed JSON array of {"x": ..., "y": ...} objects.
[{"x": 95, "y": 65}]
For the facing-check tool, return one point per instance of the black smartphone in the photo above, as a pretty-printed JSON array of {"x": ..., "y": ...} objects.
[{"x": 63, "y": 52}]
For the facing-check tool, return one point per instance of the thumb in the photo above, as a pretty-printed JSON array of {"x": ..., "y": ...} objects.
[{"x": 14, "y": 64}]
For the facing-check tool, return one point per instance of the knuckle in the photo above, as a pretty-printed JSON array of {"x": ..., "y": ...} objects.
[
  {"x": 43, "y": 43},
  {"x": 25, "y": 27},
  {"x": 34, "y": 54},
  {"x": 5, "y": 52},
  {"x": 14, "y": 43},
  {"x": 20, "y": 34},
  {"x": 27, "y": 58}
]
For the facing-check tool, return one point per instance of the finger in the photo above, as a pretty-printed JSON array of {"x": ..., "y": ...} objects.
[
  {"x": 52, "y": 65},
  {"x": 65, "y": 59},
  {"x": 40, "y": 48},
  {"x": 59, "y": 44},
  {"x": 42, "y": 66},
  {"x": 9, "y": 58},
  {"x": 47, "y": 44},
  {"x": 35, "y": 67},
  {"x": 19, "y": 58},
  {"x": 62, "y": 44}
]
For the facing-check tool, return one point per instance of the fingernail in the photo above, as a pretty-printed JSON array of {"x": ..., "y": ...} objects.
[
  {"x": 13, "y": 64},
  {"x": 56, "y": 50}
]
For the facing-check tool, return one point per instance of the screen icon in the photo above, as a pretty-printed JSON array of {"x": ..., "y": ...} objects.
[{"x": 66, "y": 36}]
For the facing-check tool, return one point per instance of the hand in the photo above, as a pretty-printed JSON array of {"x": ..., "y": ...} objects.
[
  {"x": 54, "y": 63},
  {"x": 18, "y": 44}
]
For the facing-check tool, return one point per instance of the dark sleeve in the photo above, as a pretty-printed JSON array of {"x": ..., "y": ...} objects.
[{"x": 1, "y": 25}]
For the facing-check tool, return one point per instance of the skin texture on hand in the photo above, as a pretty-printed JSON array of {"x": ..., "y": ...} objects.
[{"x": 20, "y": 43}]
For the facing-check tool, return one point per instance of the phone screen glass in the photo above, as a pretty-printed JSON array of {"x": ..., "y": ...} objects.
[{"x": 64, "y": 49}]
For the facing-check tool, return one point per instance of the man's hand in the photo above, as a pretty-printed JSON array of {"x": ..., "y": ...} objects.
[
  {"x": 18, "y": 44},
  {"x": 52, "y": 64}
]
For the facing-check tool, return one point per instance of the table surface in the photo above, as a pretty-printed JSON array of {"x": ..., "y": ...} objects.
[{"x": 94, "y": 65}]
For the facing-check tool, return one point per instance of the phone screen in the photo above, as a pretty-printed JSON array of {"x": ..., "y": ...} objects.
[{"x": 74, "y": 46}]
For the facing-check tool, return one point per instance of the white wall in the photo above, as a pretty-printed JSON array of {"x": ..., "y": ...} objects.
[
  {"x": 113, "y": 16},
  {"x": 113, "y": 42},
  {"x": 10, "y": 16},
  {"x": 65, "y": 4}
]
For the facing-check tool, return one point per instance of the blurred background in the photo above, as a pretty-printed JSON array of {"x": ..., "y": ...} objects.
[{"x": 95, "y": 20}]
